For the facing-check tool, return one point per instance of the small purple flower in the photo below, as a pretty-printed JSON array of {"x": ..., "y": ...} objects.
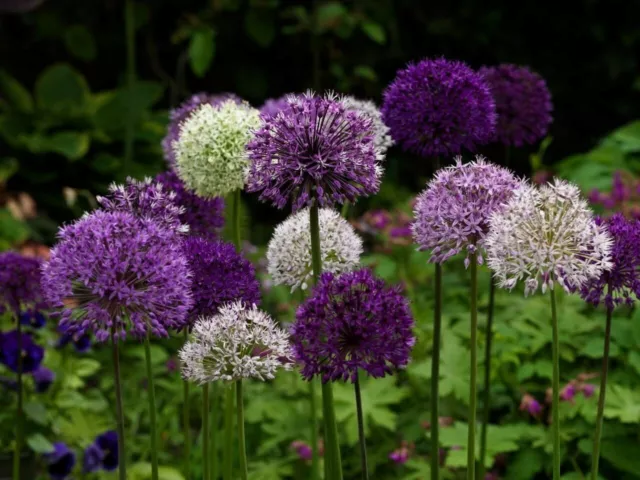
[
  {"x": 588, "y": 390},
  {"x": 523, "y": 104},
  {"x": 568, "y": 393},
  {"x": 43, "y": 378},
  {"x": 303, "y": 450},
  {"x": 531, "y": 405},
  {"x": 350, "y": 322},
  {"x": 108, "y": 443},
  {"x": 34, "y": 319},
  {"x": 19, "y": 282},
  {"x": 92, "y": 459},
  {"x": 400, "y": 455},
  {"x": 14, "y": 345},
  {"x": 315, "y": 151},
  {"x": 171, "y": 365},
  {"x": 81, "y": 343},
  {"x": 438, "y": 108},
  {"x": 60, "y": 462}
]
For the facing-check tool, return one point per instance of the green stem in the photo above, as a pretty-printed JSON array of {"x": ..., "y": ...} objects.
[
  {"x": 345, "y": 210},
  {"x": 17, "y": 453},
  {"x": 129, "y": 22},
  {"x": 315, "y": 459},
  {"x": 242, "y": 448},
  {"x": 206, "y": 472},
  {"x": 556, "y": 388},
  {"x": 186, "y": 423},
  {"x": 435, "y": 376},
  {"x": 235, "y": 218},
  {"x": 227, "y": 446},
  {"x": 122, "y": 459},
  {"x": 361, "y": 436},
  {"x": 215, "y": 421},
  {"x": 602, "y": 394},
  {"x": 473, "y": 367},
  {"x": 486, "y": 401},
  {"x": 152, "y": 408}
]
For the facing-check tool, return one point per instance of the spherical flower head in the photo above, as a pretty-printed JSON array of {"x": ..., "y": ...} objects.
[
  {"x": 43, "y": 378},
  {"x": 315, "y": 150},
  {"x": 221, "y": 275},
  {"x": 238, "y": 342},
  {"x": 621, "y": 284},
  {"x": 19, "y": 282},
  {"x": 178, "y": 115},
  {"x": 523, "y": 104},
  {"x": 547, "y": 234},
  {"x": 112, "y": 271},
  {"x": 204, "y": 216},
  {"x": 289, "y": 251},
  {"x": 382, "y": 139},
  {"x": 146, "y": 199},
  {"x": 452, "y": 214},
  {"x": 272, "y": 106},
  {"x": 350, "y": 322},
  {"x": 15, "y": 345},
  {"x": 439, "y": 107},
  {"x": 210, "y": 152},
  {"x": 60, "y": 462}
]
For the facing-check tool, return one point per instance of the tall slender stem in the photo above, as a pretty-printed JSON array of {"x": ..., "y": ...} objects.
[
  {"x": 486, "y": 401},
  {"x": 435, "y": 376},
  {"x": 315, "y": 46},
  {"x": 129, "y": 22},
  {"x": 152, "y": 408},
  {"x": 215, "y": 421},
  {"x": 227, "y": 446},
  {"x": 17, "y": 452},
  {"x": 122, "y": 458},
  {"x": 206, "y": 471},
  {"x": 315, "y": 459},
  {"x": 595, "y": 460},
  {"x": 186, "y": 423},
  {"x": 473, "y": 368},
  {"x": 333, "y": 464},
  {"x": 361, "y": 436},
  {"x": 235, "y": 218},
  {"x": 242, "y": 448},
  {"x": 556, "y": 388}
]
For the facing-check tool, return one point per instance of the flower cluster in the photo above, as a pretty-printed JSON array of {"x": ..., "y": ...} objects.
[
  {"x": 19, "y": 282},
  {"x": 210, "y": 152},
  {"x": 439, "y": 107},
  {"x": 272, "y": 106},
  {"x": 452, "y": 214},
  {"x": 316, "y": 150},
  {"x": 238, "y": 342},
  {"x": 547, "y": 234},
  {"x": 350, "y": 322},
  {"x": 523, "y": 104},
  {"x": 393, "y": 227},
  {"x": 624, "y": 196},
  {"x": 111, "y": 273},
  {"x": 367, "y": 108},
  {"x": 289, "y": 251}
]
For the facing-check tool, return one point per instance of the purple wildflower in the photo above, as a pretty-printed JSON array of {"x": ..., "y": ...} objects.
[
  {"x": 180, "y": 114},
  {"x": 204, "y": 216},
  {"x": 568, "y": 392},
  {"x": 523, "y": 104},
  {"x": 43, "y": 378},
  {"x": 531, "y": 405},
  {"x": 273, "y": 106},
  {"x": 400, "y": 455},
  {"x": 81, "y": 343},
  {"x": 19, "y": 282},
  {"x": 92, "y": 459},
  {"x": 588, "y": 389},
  {"x": 102, "y": 453},
  {"x": 60, "y": 462},
  {"x": 303, "y": 450},
  {"x": 15, "y": 345},
  {"x": 33, "y": 318},
  {"x": 316, "y": 150},
  {"x": 438, "y": 107},
  {"x": 111, "y": 272},
  {"x": 452, "y": 214},
  {"x": 171, "y": 364},
  {"x": 350, "y": 322},
  {"x": 624, "y": 277}
]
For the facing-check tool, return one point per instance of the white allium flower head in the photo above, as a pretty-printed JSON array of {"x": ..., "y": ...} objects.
[
  {"x": 382, "y": 139},
  {"x": 238, "y": 342},
  {"x": 289, "y": 251},
  {"x": 544, "y": 235},
  {"x": 210, "y": 151}
]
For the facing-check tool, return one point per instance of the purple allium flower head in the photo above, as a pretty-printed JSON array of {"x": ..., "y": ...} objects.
[
  {"x": 621, "y": 284},
  {"x": 220, "y": 275},
  {"x": 204, "y": 216},
  {"x": 19, "y": 282},
  {"x": 184, "y": 110},
  {"x": 272, "y": 106},
  {"x": 112, "y": 271},
  {"x": 438, "y": 107},
  {"x": 523, "y": 104},
  {"x": 43, "y": 378},
  {"x": 15, "y": 345},
  {"x": 316, "y": 150},
  {"x": 452, "y": 214},
  {"x": 33, "y": 319},
  {"x": 349, "y": 322},
  {"x": 147, "y": 200},
  {"x": 60, "y": 462}
]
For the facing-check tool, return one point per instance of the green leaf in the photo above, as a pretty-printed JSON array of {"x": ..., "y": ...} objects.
[
  {"x": 525, "y": 464},
  {"x": 39, "y": 444},
  {"x": 374, "y": 31},
  {"x": 73, "y": 145},
  {"x": 36, "y": 412},
  {"x": 8, "y": 167},
  {"x": 61, "y": 89},
  {"x": 85, "y": 367},
  {"x": 634, "y": 361},
  {"x": 622, "y": 403},
  {"x": 142, "y": 471},
  {"x": 112, "y": 113},
  {"x": 15, "y": 94},
  {"x": 158, "y": 354},
  {"x": 594, "y": 348},
  {"x": 80, "y": 42},
  {"x": 260, "y": 27},
  {"x": 366, "y": 72},
  {"x": 12, "y": 230},
  {"x": 622, "y": 454},
  {"x": 331, "y": 14},
  {"x": 201, "y": 50}
]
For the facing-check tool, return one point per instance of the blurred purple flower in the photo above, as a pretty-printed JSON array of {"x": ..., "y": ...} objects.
[
  {"x": 34, "y": 319},
  {"x": 568, "y": 393},
  {"x": 60, "y": 462},
  {"x": 303, "y": 450},
  {"x": 43, "y": 378},
  {"x": 588, "y": 390},
  {"x": 19, "y": 282},
  {"x": 10, "y": 351}
]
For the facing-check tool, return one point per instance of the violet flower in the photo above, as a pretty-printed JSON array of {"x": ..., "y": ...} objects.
[
  {"x": 31, "y": 353},
  {"x": 19, "y": 282},
  {"x": 60, "y": 462},
  {"x": 43, "y": 378}
]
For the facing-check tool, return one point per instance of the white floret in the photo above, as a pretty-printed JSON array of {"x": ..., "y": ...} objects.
[{"x": 382, "y": 138}]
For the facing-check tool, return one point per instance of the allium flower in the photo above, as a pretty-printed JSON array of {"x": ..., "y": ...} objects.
[
  {"x": 272, "y": 106},
  {"x": 523, "y": 104},
  {"x": 452, "y": 214},
  {"x": 624, "y": 276},
  {"x": 438, "y": 107},
  {"x": 60, "y": 462},
  {"x": 547, "y": 234},
  {"x": 382, "y": 139},
  {"x": 204, "y": 216},
  {"x": 19, "y": 282},
  {"x": 352, "y": 322},
  {"x": 112, "y": 271},
  {"x": 210, "y": 152},
  {"x": 317, "y": 149},
  {"x": 15, "y": 345},
  {"x": 147, "y": 200},
  {"x": 220, "y": 276},
  {"x": 43, "y": 378},
  {"x": 238, "y": 342},
  {"x": 289, "y": 251},
  {"x": 178, "y": 115}
]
